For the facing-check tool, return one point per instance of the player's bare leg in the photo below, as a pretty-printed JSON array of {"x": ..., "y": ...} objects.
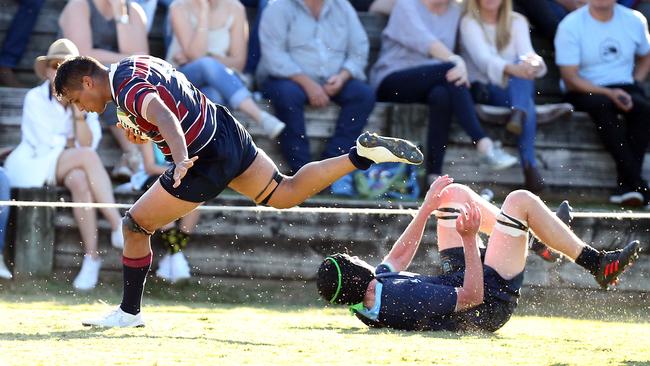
[
  {"x": 153, "y": 210},
  {"x": 507, "y": 247},
  {"x": 452, "y": 198},
  {"x": 261, "y": 183},
  {"x": 308, "y": 181}
]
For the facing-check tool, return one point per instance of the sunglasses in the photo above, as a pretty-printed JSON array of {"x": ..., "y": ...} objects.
[{"x": 54, "y": 64}]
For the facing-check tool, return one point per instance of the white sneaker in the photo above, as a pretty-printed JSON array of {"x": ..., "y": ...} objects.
[
  {"x": 89, "y": 273},
  {"x": 164, "y": 270},
  {"x": 4, "y": 271},
  {"x": 117, "y": 237},
  {"x": 180, "y": 268},
  {"x": 497, "y": 158},
  {"x": 271, "y": 125},
  {"x": 116, "y": 318},
  {"x": 381, "y": 149}
]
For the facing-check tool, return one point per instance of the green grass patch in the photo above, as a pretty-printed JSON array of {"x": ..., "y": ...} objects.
[{"x": 40, "y": 325}]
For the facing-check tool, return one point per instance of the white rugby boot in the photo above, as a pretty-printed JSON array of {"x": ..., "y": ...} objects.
[
  {"x": 381, "y": 149},
  {"x": 116, "y": 318}
]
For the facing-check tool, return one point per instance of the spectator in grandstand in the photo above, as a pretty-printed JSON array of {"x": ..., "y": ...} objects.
[
  {"x": 173, "y": 266},
  {"x": 314, "y": 51},
  {"x": 254, "y": 51},
  {"x": 545, "y": 15},
  {"x": 108, "y": 30},
  {"x": 58, "y": 147},
  {"x": 4, "y": 219},
  {"x": 417, "y": 65},
  {"x": 209, "y": 47},
  {"x": 502, "y": 67},
  {"x": 16, "y": 38},
  {"x": 477, "y": 291},
  {"x": 603, "y": 51}
]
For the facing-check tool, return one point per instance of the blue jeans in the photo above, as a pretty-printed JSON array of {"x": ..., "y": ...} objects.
[
  {"x": 428, "y": 84},
  {"x": 216, "y": 81},
  {"x": 4, "y": 210},
  {"x": 519, "y": 94},
  {"x": 288, "y": 98},
  {"x": 254, "y": 50},
  {"x": 19, "y": 31}
]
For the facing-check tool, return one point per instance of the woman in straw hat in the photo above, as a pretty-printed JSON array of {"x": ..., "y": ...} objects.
[{"x": 58, "y": 147}]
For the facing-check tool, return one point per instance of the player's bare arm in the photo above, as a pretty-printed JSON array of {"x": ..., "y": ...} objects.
[
  {"x": 467, "y": 225},
  {"x": 406, "y": 246},
  {"x": 157, "y": 113}
]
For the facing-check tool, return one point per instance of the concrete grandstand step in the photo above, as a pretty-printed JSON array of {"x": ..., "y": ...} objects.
[{"x": 291, "y": 245}]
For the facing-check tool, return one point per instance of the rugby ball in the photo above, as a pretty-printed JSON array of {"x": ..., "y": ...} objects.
[{"x": 128, "y": 123}]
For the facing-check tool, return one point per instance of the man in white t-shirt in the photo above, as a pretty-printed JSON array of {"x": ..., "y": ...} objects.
[{"x": 603, "y": 50}]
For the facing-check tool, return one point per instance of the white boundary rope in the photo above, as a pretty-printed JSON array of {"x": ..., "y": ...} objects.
[{"x": 328, "y": 210}]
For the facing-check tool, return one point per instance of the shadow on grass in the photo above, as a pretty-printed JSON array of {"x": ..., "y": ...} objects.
[
  {"x": 441, "y": 334},
  {"x": 99, "y": 333}
]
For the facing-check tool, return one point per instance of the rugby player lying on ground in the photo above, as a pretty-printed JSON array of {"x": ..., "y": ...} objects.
[{"x": 471, "y": 294}]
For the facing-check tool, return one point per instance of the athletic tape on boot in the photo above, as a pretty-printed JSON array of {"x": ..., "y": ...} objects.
[
  {"x": 447, "y": 215},
  {"x": 510, "y": 225}
]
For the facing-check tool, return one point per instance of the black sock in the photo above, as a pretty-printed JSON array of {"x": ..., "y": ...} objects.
[
  {"x": 135, "y": 274},
  {"x": 359, "y": 161},
  {"x": 589, "y": 259}
]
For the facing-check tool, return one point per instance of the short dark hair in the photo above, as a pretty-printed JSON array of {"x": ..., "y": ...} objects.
[{"x": 71, "y": 71}]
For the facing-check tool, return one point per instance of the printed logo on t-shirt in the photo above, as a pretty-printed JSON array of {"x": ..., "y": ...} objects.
[{"x": 610, "y": 50}]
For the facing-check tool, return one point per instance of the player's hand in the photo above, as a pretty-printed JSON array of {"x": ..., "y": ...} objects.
[
  {"x": 469, "y": 221},
  {"x": 181, "y": 169},
  {"x": 316, "y": 94},
  {"x": 131, "y": 135},
  {"x": 621, "y": 98},
  {"x": 432, "y": 199}
]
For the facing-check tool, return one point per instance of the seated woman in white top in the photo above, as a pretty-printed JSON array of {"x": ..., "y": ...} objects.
[
  {"x": 58, "y": 147},
  {"x": 502, "y": 66},
  {"x": 209, "y": 47},
  {"x": 417, "y": 65}
]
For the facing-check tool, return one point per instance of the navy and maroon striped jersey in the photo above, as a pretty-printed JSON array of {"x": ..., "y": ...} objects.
[{"x": 133, "y": 82}]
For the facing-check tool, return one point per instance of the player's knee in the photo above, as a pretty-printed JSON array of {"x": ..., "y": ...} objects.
[
  {"x": 456, "y": 193},
  {"x": 519, "y": 197},
  {"x": 130, "y": 226}
]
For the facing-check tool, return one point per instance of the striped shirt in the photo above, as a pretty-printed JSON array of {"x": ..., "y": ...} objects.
[{"x": 136, "y": 80}]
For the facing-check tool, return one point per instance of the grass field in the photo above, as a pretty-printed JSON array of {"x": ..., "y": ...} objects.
[{"x": 40, "y": 325}]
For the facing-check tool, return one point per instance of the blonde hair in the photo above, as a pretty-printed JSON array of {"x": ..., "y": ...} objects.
[{"x": 504, "y": 20}]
